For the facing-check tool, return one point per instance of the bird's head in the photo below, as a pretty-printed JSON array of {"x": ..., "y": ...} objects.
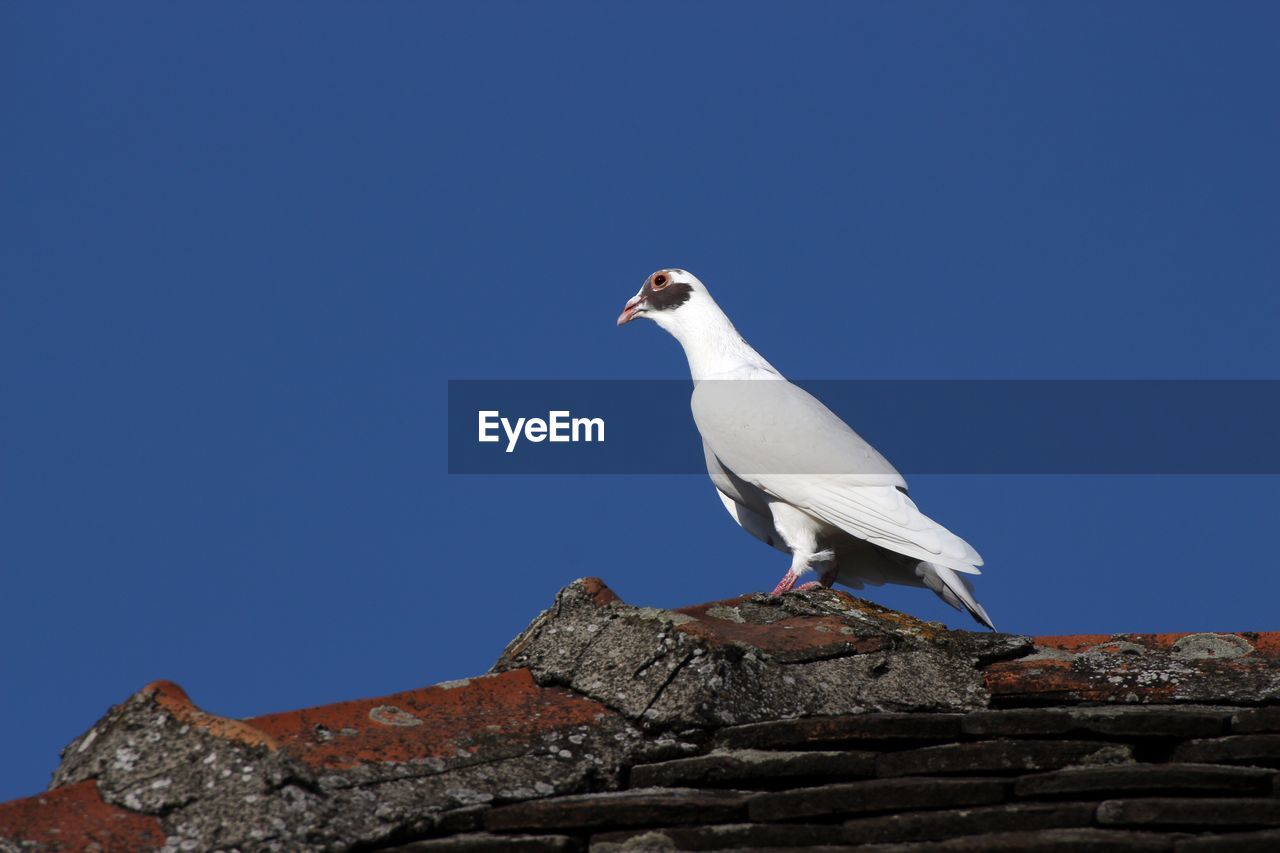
[{"x": 662, "y": 297}]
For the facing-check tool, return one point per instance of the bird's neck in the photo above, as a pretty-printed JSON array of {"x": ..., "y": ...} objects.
[{"x": 712, "y": 345}]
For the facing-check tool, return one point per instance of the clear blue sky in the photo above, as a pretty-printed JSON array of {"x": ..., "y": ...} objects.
[{"x": 245, "y": 246}]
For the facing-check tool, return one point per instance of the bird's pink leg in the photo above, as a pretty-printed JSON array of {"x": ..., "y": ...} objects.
[{"x": 788, "y": 581}]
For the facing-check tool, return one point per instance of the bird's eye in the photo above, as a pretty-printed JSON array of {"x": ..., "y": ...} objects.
[{"x": 660, "y": 281}]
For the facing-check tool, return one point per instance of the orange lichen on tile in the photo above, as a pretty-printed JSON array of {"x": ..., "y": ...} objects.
[
  {"x": 174, "y": 700},
  {"x": 1049, "y": 677},
  {"x": 896, "y": 620},
  {"x": 1266, "y": 643},
  {"x": 444, "y": 722},
  {"x": 77, "y": 818},
  {"x": 599, "y": 591},
  {"x": 1238, "y": 642},
  {"x": 1073, "y": 643},
  {"x": 1062, "y": 680},
  {"x": 1204, "y": 666}
]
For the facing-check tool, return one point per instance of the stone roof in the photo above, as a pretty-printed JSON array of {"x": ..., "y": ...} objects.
[{"x": 812, "y": 720}]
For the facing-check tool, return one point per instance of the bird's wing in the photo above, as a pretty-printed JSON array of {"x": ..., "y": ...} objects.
[
  {"x": 746, "y": 504},
  {"x": 882, "y": 515},
  {"x": 758, "y": 427},
  {"x": 782, "y": 440},
  {"x": 759, "y": 526}
]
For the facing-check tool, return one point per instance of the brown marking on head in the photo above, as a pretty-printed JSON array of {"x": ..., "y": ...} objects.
[{"x": 663, "y": 292}]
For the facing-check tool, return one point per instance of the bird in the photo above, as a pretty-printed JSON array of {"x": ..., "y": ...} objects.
[{"x": 792, "y": 473}]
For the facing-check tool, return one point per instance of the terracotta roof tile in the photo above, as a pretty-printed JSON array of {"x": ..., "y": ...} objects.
[
  {"x": 1229, "y": 668},
  {"x": 76, "y": 818},
  {"x": 789, "y": 638},
  {"x": 173, "y": 699},
  {"x": 811, "y": 719},
  {"x": 491, "y": 714}
]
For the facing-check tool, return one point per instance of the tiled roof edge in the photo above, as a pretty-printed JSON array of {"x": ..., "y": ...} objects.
[{"x": 596, "y": 689}]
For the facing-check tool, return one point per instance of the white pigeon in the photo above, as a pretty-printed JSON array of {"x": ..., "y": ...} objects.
[{"x": 790, "y": 472}]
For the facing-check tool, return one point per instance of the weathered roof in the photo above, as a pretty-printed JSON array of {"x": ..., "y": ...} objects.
[{"x": 813, "y": 719}]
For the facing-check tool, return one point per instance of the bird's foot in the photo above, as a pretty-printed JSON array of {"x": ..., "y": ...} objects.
[{"x": 824, "y": 581}]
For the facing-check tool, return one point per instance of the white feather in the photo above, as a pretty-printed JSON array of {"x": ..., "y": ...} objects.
[{"x": 954, "y": 590}]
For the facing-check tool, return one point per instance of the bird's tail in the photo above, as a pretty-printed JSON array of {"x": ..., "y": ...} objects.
[{"x": 953, "y": 589}]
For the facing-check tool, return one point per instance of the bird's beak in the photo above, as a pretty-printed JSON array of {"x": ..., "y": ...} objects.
[{"x": 630, "y": 310}]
